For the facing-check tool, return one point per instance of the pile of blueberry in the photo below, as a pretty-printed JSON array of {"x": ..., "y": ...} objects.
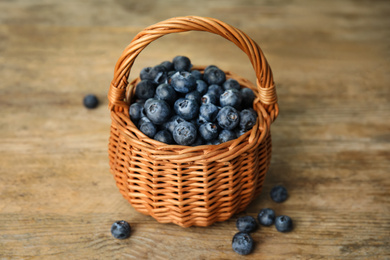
[
  {"x": 175, "y": 104},
  {"x": 242, "y": 242}
]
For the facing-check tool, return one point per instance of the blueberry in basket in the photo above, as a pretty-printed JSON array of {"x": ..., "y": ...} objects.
[{"x": 175, "y": 103}]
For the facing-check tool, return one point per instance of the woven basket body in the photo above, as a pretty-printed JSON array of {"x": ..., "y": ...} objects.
[{"x": 187, "y": 185}]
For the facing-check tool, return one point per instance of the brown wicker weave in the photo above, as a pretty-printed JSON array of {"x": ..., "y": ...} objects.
[{"x": 182, "y": 184}]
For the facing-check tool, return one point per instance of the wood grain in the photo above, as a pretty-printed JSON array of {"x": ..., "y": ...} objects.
[{"x": 331, "y": 141}]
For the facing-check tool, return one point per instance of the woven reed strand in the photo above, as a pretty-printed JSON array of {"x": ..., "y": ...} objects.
[{"x": 182, "y": 184}]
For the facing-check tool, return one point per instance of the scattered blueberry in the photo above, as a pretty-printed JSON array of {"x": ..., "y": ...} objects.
[
  {"x": 242, "y": 243},
  {"x": 209, "y": 111},
  {"x": 283, "y": 223},
  {"x": 231, "y": 97},
  {"x": 165, "y": 92},
  {"x": 186, "y": 108},
  {"x": 247, "y": 119},
  {"x": 183, "y": 82},
  {"x": 231, "y": 84},
  {"x": 208, "y": 131},
  {"x": 185, "y": 133},
  {"x": 121, "y": 229},
  {"x": 214, "y": 76},
  {"x": 145, "y": 89},
  {"x": 246, "y": 224},
  {"x": 228, "y": 118},
  {"x": 90, "y": 101},
  {"x": 279, "y": 193},
  {"x": 164, "y": 136},
  {"x": 158, "y": 111},
  {"x": 247, "y": 97},
  {"x": 266, "y": 217},
  {"x": 182, "y": 63},
  {"x": 226, "y": 135}
]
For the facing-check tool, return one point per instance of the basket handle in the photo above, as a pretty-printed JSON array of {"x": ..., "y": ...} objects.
[{"x": 265, "y": 83}]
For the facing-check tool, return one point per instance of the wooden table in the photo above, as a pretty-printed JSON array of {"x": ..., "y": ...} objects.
[{"x": 331, "y": 142}]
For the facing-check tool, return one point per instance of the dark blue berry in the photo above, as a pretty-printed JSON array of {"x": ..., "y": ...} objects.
[
  {"x": 226, "y": 135},
  {"x": 183, "y": 82},
  {"x": 209, "y": 111},
  {"x": 171, "y": 73},
  {"x": 199, "y": 141},
  {"x": 194, "y": 95},
  {"x": 201, "y": 87},
  {"x": 266, "y": 217},
  {"x": 167, "y": 65},
  {"x": 231, "y": 84},
  {"x": 147, "y": 127},
  {"x": 279, "y": 193},
  {"x": 172, "y": 123},
  {"x": 90, "y": 101},
  {"x": 186, "y": 108},
  {"x": 242, "y": 243},
  {"x": 164, "y": 136},
  {"x": 159, "y": 74},
  {"x": 214, "y": 76},
  {"x": 165, "y": 92},
  {"x": 215, "y": 89},
  {"x": 158, "y": 111},
  {"x": 208, "y": 131},
  {"x": 182, "y": 63},
  {"x": 145, "y": 74},
  {"x": 246, "y": 224},
  {"x": 247, "y": 97},
  {"x": 145, "y": 89},
  {"x": 197, "y": 74},
  {"x": 283, "y": 223},
  {"x": 247, "y": 119},
  {"x": 209, "y": 98},
  {"x": 228, "y": 118},
  {"x": 136, "y": 111},
  {"x": 210, "y": 67},
  {"x": 185, "y": 133},
  {"x": 231, "y": 97},
  {"x": 121, "y": 229}
]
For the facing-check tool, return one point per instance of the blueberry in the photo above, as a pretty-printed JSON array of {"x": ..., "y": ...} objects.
[
  {"x": 186, "y": 108},
  {"x": 209, "y": 111},
  {"x": 231, "y": 97},
  {"x": 226, "y": 135},
  {"x": 247, "y": 97},
  {"x": 231, "y": 84},
  {"x": 228, "y": 118},
  {"x": 197, "y": 74},
  {"x": 283, "y": 223},
  {"x": 145, "y": 74},
  {"x": 246, "y": 224},
  {"x": 165, "y": 92},
  {"x": 158, "y": 111},
  {"x": 120, "y": 229},
  {"x": 183, "y": 82},
  {"x": 90, "y": 101},
  {"x": 208, "y": 131},
  {"x": 167, "y": 65},
  {"x": 210, "y": 67},
  {"x": 209, "y": 98},
  {"x": 199, "y": 141},
  {"x": 266, "y": 217},
  {"x": 147, "y": 127},
  {"x": 215, "y": 89},
  {"x": 239, "y": 132},
  {"x": 164, "y": 136},
  {"x": 172, "y": 123},
  {"x": 279, "y": 193},
  {"x": 201, "y": 120},
  {"x": 185, "y": 133},
  {"x": 136, "y": 111},
  {"x": 242, "y": 243},
  {"x": 159, "y": 74},
  {"x": 247, "y": 119},
  {"x": 201, "y": 86},
  {"x": 182, "y": 63},
  {"x": 214, "y": 76},
  {"x": 144, "y": 89},
  {"x": 194, "y": 95},
  {"x": 171, "y": 73}
]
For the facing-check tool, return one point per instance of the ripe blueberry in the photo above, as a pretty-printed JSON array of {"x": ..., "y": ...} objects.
[
  {"x": 279, "y": 193},
  {"x": 147, "y": 127},
  {"x": 121, "y": 229},
  {"x": 242, "y": 243},
  {"x": 209, "y": 111},
  {"x": 228, "y": 118},
  {"x": 231, "y": 84},
  {"x": 158, "y": 74},
  {"x": 144, "y": 89},
  {"x": 90, "y": 101},
  {"x": 283, "y": 223},
  {"x": 226, "y": 135},
  {"x": 247, "y": 97},
  {"x": 231, "y": 97},
  {"x": 183, "y": 82},
  {"x": 215, "y": 89},
  {"x": 164, "y": 136},
  {"x": 194, "y": 95},
  {"x": 247, "y": 119},
  {"x": 214, "y": 76},
  {"x": 197, "y": 74},
  {"x": 208, "y": 131},
  {"x": 266, "y": 217},
  {"x": 165, "y": 92},
  {"x": 182, "y": 63},
  {"x": 158, "y": 111},
  {"x": 185, "y": 133},
  {"x": 201, "y": 86},
  {"x": 246, "y": 224},
  {"x": 186, "y": 108},
  {"x": 167, "y": 65},
  {"x": 136, "y": 111},
  {"x": 209, "y": 98},
  {"x": 172, "y": 123}
]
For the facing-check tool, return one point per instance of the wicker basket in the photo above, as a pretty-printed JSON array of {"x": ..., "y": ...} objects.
[{"x": 181, "y": 184}]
